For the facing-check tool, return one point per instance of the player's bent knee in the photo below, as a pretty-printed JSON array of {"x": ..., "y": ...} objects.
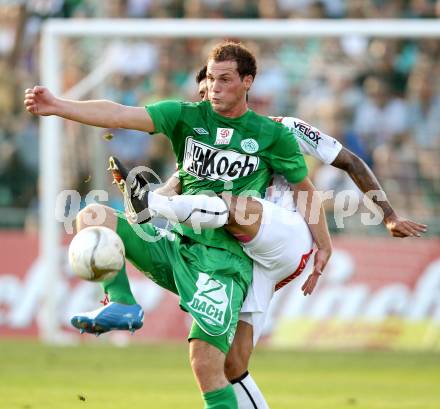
[
  {"x": 245, "y": 216},
  {"x": 200, "y": 366},
  {"x": 207, "y": 363},
  {"x": 96, "y": 215},
  {"x": 240, "y": 207}
]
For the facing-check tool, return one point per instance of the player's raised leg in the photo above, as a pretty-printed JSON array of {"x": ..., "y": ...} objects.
[
  {"x": 120, "y": 310},
  {"x": 241, "y": 215},
  {"x": 141, "y": 204}
]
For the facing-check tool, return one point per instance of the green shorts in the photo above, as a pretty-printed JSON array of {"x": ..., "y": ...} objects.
[{"x": 210, "y": 282}]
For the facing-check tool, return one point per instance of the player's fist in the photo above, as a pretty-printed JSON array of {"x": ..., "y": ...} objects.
[{"x": 39, "y": 101}]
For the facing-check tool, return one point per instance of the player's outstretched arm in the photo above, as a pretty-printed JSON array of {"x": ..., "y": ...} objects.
[
  {"x": 106, "y": 114},
  {"x": 366, "y": 181},
  {"x": 309, "y": 204}
]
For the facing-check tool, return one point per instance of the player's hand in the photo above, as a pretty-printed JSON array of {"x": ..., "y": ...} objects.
[
  {"x": 39, "y": 101},
  {"x": 401, "y": 227},
  {"x": 321, "y": 259}
]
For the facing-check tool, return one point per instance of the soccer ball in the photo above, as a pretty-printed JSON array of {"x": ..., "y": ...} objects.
[{"x": 96, "y": 253}]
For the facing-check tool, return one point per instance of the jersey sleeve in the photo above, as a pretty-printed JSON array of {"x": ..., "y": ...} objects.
[
  {"x": 312, "y": 141},
  {"x": 287, "y": 159},
  {"x": 165, "y": 115}
]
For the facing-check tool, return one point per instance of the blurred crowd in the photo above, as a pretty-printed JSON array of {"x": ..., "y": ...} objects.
[{"x": 379, "y": 97}]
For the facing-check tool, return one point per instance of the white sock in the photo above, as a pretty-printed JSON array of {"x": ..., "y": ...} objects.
[
  {"x": 196, "y": 211},
  {"x": 248, "y": 394}
]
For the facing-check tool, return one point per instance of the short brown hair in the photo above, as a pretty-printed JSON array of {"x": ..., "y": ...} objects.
[{"x": 233, "y": 51}]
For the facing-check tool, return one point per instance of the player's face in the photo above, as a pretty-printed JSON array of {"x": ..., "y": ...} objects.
[
  {"x": 226, "y": 89},
  {"x": 203, "y": 90}
]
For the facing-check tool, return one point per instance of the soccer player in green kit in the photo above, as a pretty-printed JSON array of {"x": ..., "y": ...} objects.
[{"x": 208, "y": 269}]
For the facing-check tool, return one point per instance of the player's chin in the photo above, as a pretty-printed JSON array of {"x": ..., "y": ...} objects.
[{"x": 218, "y": 105}]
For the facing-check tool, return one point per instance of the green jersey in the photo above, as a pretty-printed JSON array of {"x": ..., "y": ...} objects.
[{"x": 215, "y": 153}]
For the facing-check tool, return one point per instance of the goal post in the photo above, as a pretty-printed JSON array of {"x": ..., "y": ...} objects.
[{"x": 51, "y": 127}]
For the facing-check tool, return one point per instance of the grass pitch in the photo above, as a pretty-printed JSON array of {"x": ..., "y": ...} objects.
[{"x": 102, "y": 376}]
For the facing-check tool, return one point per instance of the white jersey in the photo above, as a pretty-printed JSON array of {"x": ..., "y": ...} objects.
[
  {"x": 280, "y": 251},
  {"x": 311, "y": 142},
  {"x": 284, "y": 243}
]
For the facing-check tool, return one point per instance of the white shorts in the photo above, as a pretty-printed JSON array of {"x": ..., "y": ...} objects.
[{"x": 280, "y": 251}]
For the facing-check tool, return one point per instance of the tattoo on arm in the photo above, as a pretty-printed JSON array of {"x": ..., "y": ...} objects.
[{"x": 363, "y": 177}]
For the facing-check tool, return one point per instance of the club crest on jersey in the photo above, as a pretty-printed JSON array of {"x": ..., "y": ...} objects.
[
  {"x": 206, "y": 162},
  {"x": 201, "y": 131},
  {"x": 249, "y": 145},
  {"x": 224, "y": 136}
]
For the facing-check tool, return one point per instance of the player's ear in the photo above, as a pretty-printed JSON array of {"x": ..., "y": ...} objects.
[{"x": 247, "y": 81}]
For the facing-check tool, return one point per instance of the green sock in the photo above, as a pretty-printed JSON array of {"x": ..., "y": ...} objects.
[
  {"x": 118, "y": 288},
  {"x": 221, "y": 399}
]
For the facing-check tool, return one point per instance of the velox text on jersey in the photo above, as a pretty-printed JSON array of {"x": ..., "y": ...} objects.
[
  {"x": 206, "y": 162},
  {"x": 306, "y": 132}
]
